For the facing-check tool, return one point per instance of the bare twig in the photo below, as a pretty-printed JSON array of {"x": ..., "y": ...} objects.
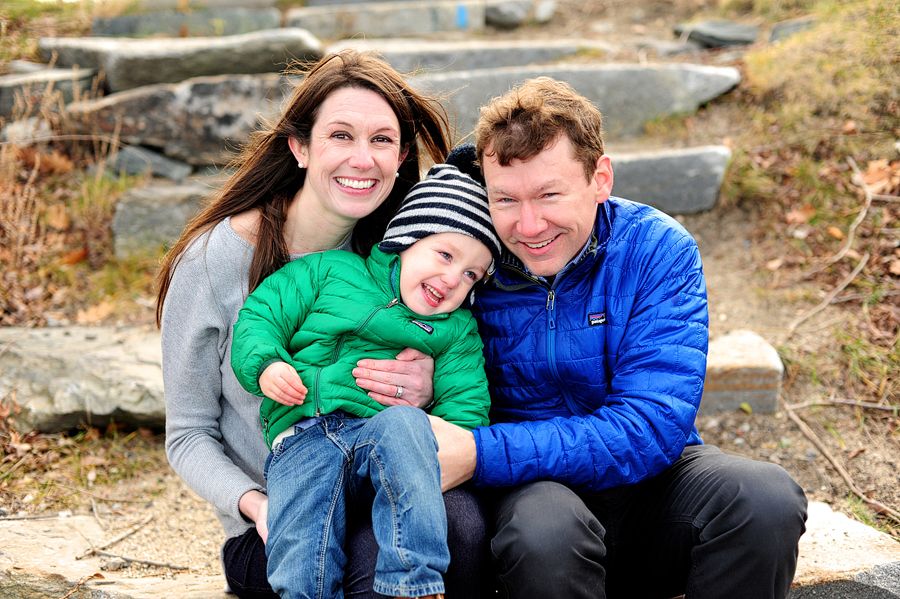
[
  {"x": 127, "y": 533},
  {"x": 843, "y": 402},
  {"x": 811, "y": 435},
  {"x": 885, "y": 198},
  {"x": 35, "y": 517},
  {"x": 141, "y": 561},
  {"x": 97, "y": 514},
  {"x": 824, "y": 303},
  {"x": 80, "y": 584}
]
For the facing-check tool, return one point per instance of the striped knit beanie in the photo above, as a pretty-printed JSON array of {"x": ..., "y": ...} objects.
[{"x": 446, "y": 201}]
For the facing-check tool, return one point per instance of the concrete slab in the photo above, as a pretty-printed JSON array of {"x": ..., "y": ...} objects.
[
  {"x": 677, "y": 181},
  {"x": 741, "y": 368},
  {"x": 627, "y": 95},
  {"x": 841, "y": 558},
  {"x": 37, "y": 561},
  {"x": 427, "y": 56},
  {"x": 132, "y": 63},
  {"x": 389, "y": 19}
]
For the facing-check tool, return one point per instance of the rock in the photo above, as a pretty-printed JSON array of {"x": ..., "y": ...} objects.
[
  {"x": 420, "y": 55},
  {"x": 627, "y": 95},
  {"x": 389, "y": 19},
  {"x": 38, "y": 562},
  {"x": 741, "y": 368},
  {"x": 68, "y": 375},
  {"x": 131, "y": 63},
  {"x": 26, "y": 129},
  {"x": 150, "y": 217},
  {"x": 679, "y": 181},
  {"x": 197, "y": 120},
  {"x": 786, "y": 29},
  {"x": 32, "y": 86},
  {"x": 25, "y": 66},
  {"x": 665, "y": 48},
  {"x": 506, "y": 15},
  {"x": 841, "y": 558},
  {"x": 146, "y": 6},
  {"x": 225, "y": 21},
  {"x": 718, "y": 34},
  {"x": 135, "y": 160},
  {"x": 544, "y": 11}
]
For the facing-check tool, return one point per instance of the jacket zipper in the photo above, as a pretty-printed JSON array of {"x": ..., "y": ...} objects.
[
  {"x": 340, "y": 344},
  {"x": 551, "y": 352}
]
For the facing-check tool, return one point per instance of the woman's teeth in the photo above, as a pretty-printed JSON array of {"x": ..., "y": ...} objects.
[{"x": 356, "y": 184}]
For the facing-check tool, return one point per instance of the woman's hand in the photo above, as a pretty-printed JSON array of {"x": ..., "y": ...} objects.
[
  {"x": 280, "y": 382},
  {"x": 255, "y": 506},
  {"x": 404, "y": 381}
]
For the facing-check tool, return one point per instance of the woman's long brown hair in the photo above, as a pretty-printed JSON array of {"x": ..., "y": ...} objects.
[{"x": 267, "y": 176}]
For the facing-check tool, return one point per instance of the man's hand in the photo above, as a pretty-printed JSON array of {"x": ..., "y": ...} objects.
[
  {"x": 280, "y": 382},
  {"x": 412, "y": 371},
  {"x": 457, "y": 452},
  {"x": 255, "y": 506}
]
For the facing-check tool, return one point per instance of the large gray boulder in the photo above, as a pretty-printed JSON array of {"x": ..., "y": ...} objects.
[
  {"x": 62, "y": 377},
  {"x": 677, "y": 181},
  {"x": 150, "y": 217},
  {"x": 429, "y": 56},
  {"x": 627, "y": 95},
  {"x": 131, "y": 63},
  {"x": 32, "y": 86},
  {"x": 178, "y": 23},
  {"x": 389, "y": 19},
  {"x": 198, "y": 121}
]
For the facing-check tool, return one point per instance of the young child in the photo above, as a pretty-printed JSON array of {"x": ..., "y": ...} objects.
[{"x": 299, "y": 336}]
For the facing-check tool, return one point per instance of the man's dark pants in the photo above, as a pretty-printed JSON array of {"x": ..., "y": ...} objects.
[{"x": 712, "y": 525}]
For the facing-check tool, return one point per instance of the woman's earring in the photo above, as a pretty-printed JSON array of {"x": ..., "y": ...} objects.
[{"x": 300, "y": 165}]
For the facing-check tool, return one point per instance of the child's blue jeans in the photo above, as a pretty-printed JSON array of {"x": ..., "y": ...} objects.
[{"x": 314, "y": 474}]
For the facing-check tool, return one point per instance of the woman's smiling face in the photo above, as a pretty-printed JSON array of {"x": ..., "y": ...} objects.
[{"x": 352, "y": 156}]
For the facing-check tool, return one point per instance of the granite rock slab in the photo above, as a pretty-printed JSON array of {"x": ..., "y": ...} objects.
[{"x": 132, "y": 63}]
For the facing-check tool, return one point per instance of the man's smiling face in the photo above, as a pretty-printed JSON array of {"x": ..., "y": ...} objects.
[{"x": 544, "y": 208}]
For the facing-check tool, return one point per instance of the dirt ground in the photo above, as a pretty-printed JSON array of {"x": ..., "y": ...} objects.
[{"x": 184, "y": 532}]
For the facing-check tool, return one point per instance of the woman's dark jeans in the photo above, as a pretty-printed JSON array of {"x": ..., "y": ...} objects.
[{"x": 468, "y": 577}]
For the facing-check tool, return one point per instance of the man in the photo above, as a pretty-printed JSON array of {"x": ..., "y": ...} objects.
[{"x": 596, "y": 333}]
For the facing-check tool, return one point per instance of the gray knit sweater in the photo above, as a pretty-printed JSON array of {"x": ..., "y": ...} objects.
[{"x": 214, "y": 440}]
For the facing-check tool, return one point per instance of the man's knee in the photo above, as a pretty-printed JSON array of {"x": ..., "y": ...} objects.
[
  {"x": 545, "y": 521},
  {"x": 762, "y": 502}
]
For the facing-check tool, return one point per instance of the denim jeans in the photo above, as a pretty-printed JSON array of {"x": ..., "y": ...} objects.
[
  {"x": 311, "y": 476},
  {"x": 711, "y": 526}
]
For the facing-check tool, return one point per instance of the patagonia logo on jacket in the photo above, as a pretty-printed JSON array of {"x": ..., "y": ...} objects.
[
  {"x": 425, "y": 327},
  {"x": 597, "y": 318}
]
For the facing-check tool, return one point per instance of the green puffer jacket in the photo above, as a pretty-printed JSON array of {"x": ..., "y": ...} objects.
[{"x": 324, "y": 312}]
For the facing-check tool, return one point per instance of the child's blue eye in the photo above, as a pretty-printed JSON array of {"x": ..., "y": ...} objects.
[
  {"x": 472, "y": 275},
  {"x": 445, "y": 255}
]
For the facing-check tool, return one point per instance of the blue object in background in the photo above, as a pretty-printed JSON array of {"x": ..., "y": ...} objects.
[{"x": 462, "y": 17}]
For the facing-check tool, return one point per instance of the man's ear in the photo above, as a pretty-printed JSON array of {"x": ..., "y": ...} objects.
[
  {"x": 603, "y": 178},
  {"x": 298, "y": 150}
]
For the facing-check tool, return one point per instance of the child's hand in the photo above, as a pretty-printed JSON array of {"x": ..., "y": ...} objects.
[{"x": 281, "y": 383}]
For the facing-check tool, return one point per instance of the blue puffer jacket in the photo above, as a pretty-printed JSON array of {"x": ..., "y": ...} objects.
[{"x": 595, "y": 381}]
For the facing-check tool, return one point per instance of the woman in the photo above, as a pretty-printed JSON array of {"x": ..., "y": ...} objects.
[{"x": 328, "y": 174}]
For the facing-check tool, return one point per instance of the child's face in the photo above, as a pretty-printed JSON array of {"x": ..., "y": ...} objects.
[{"x": 438, "y": 272}]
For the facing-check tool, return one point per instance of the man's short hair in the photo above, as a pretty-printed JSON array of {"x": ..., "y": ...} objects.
[{"x": 528, "y": 118}]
